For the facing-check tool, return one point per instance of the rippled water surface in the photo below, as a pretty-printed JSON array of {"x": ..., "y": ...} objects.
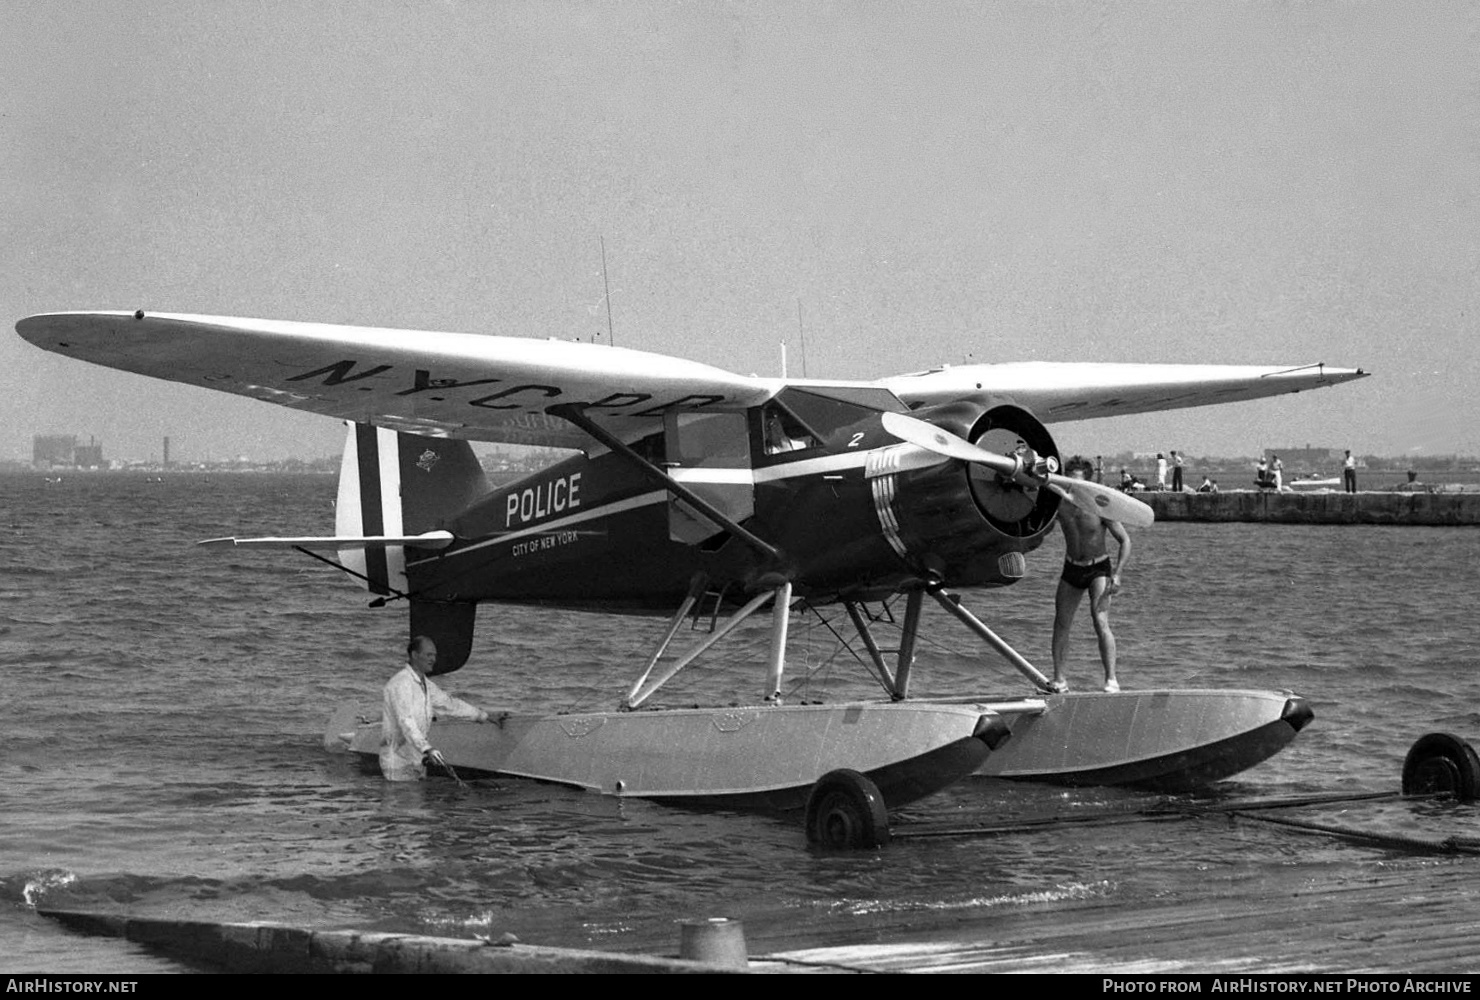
[{"x": 162, "y": 709}]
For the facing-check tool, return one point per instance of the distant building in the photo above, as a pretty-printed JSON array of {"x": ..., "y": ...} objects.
[
  {"x": 61, "y": 451},
  {"x": 50, "y": 450},
  {"x": 89, "y": 456}
]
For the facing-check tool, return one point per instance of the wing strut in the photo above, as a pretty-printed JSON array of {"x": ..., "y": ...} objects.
[{"x": 576, "y": 414}]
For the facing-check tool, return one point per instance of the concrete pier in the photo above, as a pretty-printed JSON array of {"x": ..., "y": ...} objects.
[
  {"x": 270, "y": 947},
  {"x": 1413, "y": 508},
  {"x": 1417, "y": 919}
]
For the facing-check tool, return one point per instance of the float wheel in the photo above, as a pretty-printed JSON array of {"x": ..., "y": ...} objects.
[
  {"x": 1440, "y": 762},
  {"x": 846, "y": 809}
]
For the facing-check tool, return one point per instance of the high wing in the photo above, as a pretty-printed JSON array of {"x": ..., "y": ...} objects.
[
  {"x": 451, "y": 385},
  {"x": 495, "y": 388},
  {"x": 1081, "y": 390}
]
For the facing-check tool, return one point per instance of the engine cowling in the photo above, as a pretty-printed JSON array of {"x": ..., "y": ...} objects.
[{"x": 963, "y": 524}]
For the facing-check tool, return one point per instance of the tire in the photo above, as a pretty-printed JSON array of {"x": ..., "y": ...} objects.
[
  {"x": 1442, "y": 763},
  {"x": 846, "y": 809}
]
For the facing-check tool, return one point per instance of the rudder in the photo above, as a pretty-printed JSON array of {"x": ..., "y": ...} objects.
[
  {"x": 404, "y": 484},
  {"x": 398, "y": 484}
]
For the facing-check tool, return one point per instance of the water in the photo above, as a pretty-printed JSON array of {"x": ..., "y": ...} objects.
[{"x": 162, "y": 712}]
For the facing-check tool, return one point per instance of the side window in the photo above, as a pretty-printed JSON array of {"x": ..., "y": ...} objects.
[
  {"x": 711, "y": 453},
  {"x": 708, "y": 440}
]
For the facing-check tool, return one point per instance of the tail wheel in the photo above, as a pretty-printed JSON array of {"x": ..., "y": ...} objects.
[
  {"x": 1440, "y": 763},
  {"x": 846, "y": 809}
]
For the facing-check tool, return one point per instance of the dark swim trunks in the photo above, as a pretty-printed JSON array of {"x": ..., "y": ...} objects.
[{"x": 1080, "y": 577}]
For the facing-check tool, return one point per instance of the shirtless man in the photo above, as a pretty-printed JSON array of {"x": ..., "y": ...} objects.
[{"x": 1087, "y": 567}]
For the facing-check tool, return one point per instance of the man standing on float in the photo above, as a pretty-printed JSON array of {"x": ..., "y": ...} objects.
[{"x": 1087, "y": 567}]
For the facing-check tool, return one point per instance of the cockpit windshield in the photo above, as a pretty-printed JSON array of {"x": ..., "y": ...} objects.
[{"x": 805, "y": 418}]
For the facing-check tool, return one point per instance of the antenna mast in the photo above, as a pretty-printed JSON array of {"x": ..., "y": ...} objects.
[
  {"x": 606, "y": 287},
  {"x": 802, "y": 334}
]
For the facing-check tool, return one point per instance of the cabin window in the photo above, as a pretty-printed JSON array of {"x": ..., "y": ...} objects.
[{"x": 783, "y": 432}]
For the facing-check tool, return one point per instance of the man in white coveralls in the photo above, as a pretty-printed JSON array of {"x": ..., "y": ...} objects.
[{"x": 410, "y": 699}]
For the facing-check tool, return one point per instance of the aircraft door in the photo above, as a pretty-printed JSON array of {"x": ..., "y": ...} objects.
[{"x": 710, "y": 454}]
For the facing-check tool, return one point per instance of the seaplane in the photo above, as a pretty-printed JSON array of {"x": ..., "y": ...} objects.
[{"x": 701, "y": 496}]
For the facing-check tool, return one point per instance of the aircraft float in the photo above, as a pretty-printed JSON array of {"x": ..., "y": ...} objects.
[{"x": 703, "y": 495}]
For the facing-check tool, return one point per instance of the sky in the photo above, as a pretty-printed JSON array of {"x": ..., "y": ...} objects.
[{"x": 881, "y": 186}]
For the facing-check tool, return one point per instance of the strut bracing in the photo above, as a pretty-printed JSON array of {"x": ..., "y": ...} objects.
[{"x": 952, "y": 603}]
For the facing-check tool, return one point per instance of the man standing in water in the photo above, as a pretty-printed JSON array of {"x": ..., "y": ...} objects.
[
  {"x": 1087, "y": 567},
  {"x": 410, "y": 699}
]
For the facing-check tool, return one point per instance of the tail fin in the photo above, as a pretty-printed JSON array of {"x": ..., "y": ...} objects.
[
  {"x": 403, "y": 484},
  {"x": 399, "y": 484}
]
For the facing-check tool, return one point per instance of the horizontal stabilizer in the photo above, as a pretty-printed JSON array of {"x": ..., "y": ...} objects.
[{"x": 426, "y": 540}]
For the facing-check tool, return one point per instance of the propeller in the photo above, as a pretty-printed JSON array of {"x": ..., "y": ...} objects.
[{"x": 1099, "y": 500}]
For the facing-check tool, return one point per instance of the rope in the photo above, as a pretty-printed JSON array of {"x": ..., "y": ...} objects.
[
  {"x": 1451, "y": 845},
  {"x": 1240, "y": 810}
]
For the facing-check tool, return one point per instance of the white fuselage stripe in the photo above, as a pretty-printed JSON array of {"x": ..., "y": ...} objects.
[
  {"x": 812, "y": 466},
  {"x": 616, "y": 507},
  {"x": 728, "y": 477},
  {"x": 900, "y": 457}
]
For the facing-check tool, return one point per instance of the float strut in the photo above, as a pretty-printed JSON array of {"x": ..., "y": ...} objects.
[
  {"x": 709, "y": 640},
  {"x": 683, "y": 610},
  {"x": 952, "y": 603},
  {"x": 911, "y": 629},
  {"x": 876, "y": 655},
  {"x": 780, "y": 620}
]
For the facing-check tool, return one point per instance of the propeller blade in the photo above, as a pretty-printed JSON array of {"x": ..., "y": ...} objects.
[
  {"x": 915, "y": 431},
  {"x": 1093, "y": 497},
  {"x": 1103, "y": 501}
]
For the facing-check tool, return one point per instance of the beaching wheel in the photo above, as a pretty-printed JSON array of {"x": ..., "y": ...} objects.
[
  {"x": 1440, "y": 762},
  {"x": 846, "y": 809}
]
